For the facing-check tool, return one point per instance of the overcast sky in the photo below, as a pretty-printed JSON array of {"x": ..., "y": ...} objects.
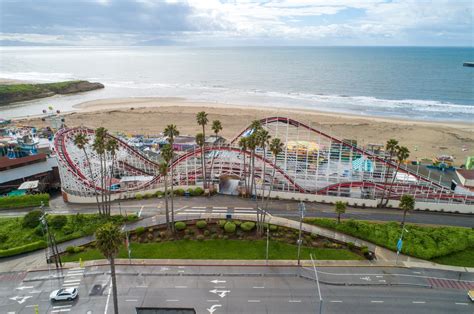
[{"x": 237, "y": 22}]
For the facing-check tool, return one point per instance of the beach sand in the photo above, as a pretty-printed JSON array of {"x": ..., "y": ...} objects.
[{"x": 149, "y": 116}]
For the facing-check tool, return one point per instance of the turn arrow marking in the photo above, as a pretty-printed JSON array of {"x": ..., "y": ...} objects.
[
  {"x": 213, "y": 308},
  {"x": 220, "y": 293},
  {"x": 19, "y": 299}
]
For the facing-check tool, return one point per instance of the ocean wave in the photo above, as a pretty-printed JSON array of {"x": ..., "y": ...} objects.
[{"x": 37, "y": 76}]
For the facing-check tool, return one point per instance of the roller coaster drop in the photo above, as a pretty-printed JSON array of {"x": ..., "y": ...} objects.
[{"x": 333, "y": 167}]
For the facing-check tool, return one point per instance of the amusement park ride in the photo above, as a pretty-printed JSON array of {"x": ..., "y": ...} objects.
[{"x": 311, "y": 162}]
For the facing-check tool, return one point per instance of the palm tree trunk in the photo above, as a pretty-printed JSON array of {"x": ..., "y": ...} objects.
[
  {"x": 167, "y": 213},
  {"x": 391, "y": 184},
  {"x": 92, "y": 178},
  {"x": 338, "y": 218},
  {"x": 404, "y": 216},
  {"x": 203, "y": 157},
  {"x": 114, "y": 284},
  {"x": 172, "y": 199},
  {"x": 271, "y": 184},
  {"x": 109, "y": 202},
  {"x": 386, "y": 177},
  {"x": 102, "y": 183}
]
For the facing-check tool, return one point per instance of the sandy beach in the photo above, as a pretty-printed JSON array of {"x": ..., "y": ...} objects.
[{"x": 149, "y": 116}]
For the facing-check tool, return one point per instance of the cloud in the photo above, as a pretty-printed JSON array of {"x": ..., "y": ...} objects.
[{"x": 213, "y": 22}]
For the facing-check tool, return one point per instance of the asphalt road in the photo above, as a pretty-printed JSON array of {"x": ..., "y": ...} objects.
[
  {"x": 236, "y": 290},
  {"x": 283, "y": 208}
]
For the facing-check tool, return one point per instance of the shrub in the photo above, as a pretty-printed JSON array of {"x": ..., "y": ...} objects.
[
  {"x": 214, "y": 236},
  {"x": 179, "y": 225},
  {"x": 237, "y": 222},
  {"x": 150, "y": 230},
  {"x": 222, "y": 223},
  {"x": 313, "y": 235},
  {"x": 31, "y": 219},
  {"x": 20, "y": 201},
  {"x": 139, "y": 231},
  {"x": 179, "y": 192},
  {"x": 247, "y": 226},
  {"x": 138, "y": 196},
  {"x": 197, "y": 192},
  {"x": 70, "y": 249},
  {"x": 273, "y": 227},
  {"x": 158, "y": 194},
  {"x": 191, "y": 231},
  {"x": 364, "y": 249},
  {"x": 150, "y": 236},
  {"x": 186, "y": 231},
  {"x": 3, "y": 237},
  {"x": 39, "y": 231},
  {"x": 350, "y": 245},
  {"x": 147, "y": 195},
  {"x": 23, "y": 249},
  {"x": 200, "y": 237},
  {"x": 201, "y": 224},
  {"x": 68, "y": 229},
  {"x": 229, "y": 227},
  {"x": 225, "y": 237},
  {"x": 186, "y": 237},
  {"x": 78, "y": 249},
  {"x": 206, "y": 233},
  {"x": 162, "y": 234},
  {"x": 58, "y": 221}
]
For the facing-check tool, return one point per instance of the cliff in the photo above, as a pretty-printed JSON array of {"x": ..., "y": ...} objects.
[{"x": 21, "y": 92}]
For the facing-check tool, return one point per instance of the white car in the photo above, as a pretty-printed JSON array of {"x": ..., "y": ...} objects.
[{"x": 63, "y": 294}]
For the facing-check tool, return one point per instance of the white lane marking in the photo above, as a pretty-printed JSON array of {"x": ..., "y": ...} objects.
[
  {"x": 61, "y": 310},
  {"x": 212, "y": 300},
  {"x": 172, "y": 300},
  {"x": 20, "y": 299},
  {"x": 219, "y": 287},
  {"x": 216, "y": 281},
  {"x": 294, "y": 301},
  {"x": 180, "y": 271},
  {"x": 194, "y": 210},
  {"x": 70, "y": 285},
  {"x": 181, "y": 266},
  {"x": 376, "y": 301},
  {"x": 142, "y": 286},
  {"x": 216, "y": 207},
  {"x": 140, "y": 212},
  {"x": 258, "y": 287},
  {"x": 382, "y": 280},
  {"x": 199, "y": 207},
  {"x": 24, "y": 287},
  {"x": 180, "y": 287},
  {"x": 72, "y": 280},
  {"x": 238, "y": 208},
  {"x": 131, "y": 300},
  {"x": 379, "y": 276},
  {"x": 181, "y": 208},
  {"x": 253, "y": 301},
  {"x": 460, "y": 303},
  {"x": 74, "y": 275},
  {"x": 416, "y": 272},
  {"x": 335, "y": 301},
  {"x": 108, "y": 299},
  {"x": 76, "y": 272},
  {"x": 61, "y": 306},
  {"x": 418, "y": 302}
]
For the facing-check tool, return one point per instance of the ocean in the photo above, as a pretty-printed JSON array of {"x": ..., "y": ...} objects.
[{"x": 403, "y": 82}]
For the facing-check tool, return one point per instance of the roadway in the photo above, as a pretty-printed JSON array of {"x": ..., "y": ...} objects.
[
  {"x": 222, "y": 289},
  {"x": 283, "y": 208}
]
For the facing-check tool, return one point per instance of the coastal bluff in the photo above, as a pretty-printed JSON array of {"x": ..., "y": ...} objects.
[{"x": 10, "y": 93}]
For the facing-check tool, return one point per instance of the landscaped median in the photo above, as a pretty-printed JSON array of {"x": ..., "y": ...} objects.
[
  {"x": 223, "y": 239},
  {"x": 25, "y": 234},
  {"x": 22, "y": 201},
  {"x": 445, "y": 245}
]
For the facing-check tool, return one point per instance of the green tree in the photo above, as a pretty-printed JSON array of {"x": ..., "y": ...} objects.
[
  {"x": 402, "y": 154},
  {"x": 81, "y": 141},
  {"x": 200, "y": 140},
  {"x": 276, "y": 147},
  {"x": 243, "y": 147},
  {"x": 167, "y": 154},
  {"x": 391, "y": 146},
  {"x": 262, "y": 138},
  {"x": 163, "y": 169},
  {"x": 108, "y": 241},
  {"x": 100, "y": 149},
  {"x": 201, "y": 118},
  {"x": 407, "y": 202},
  {"x": 171, "y": 131},
  {"x": 340, "y": 209},
  {"x": 216, "y": 127}
]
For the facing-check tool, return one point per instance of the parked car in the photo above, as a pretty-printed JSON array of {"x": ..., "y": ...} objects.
[{"x": 64, "y": 294}]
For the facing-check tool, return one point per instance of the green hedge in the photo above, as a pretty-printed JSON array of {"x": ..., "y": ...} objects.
[
  {"x": 420, "y": 241},
  {"x": 7, "y": 202},
  {"x": 179, "y": 225},
  {"x": 247, "y": 226},
  {"x": 201, "y": 224},
  {"x": 23, "y": 249}
]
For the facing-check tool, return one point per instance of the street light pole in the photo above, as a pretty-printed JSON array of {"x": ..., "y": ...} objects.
[
  {"x": 317, "y": 283},
  {"x": 400, "y": 244},
  {"x": 268, "y": 239},
  {"x": 302, "y": 210}
]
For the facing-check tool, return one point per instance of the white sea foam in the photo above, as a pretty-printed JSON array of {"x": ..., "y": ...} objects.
[{"x": 36, "y": 76}]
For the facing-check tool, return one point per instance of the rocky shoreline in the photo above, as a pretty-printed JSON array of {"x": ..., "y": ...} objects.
[{"x": 10, "y": 93}]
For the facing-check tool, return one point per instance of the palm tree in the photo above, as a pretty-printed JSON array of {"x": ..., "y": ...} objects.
[
  {"x": 111, "y": 147},
  {"x": 99, "y": 148},
  {"x": 391, "y": 147},
  {"x": 402, "y": 154},
  {"x": 262, "y": 138},
  {"x": 216, "y": 127},
  {"x": 407, "y": 202},
  {"x": 163, "y": 169},
  {"x": 167, "y": 154},
  {"x": 201, "y": 118},
  {"x": 81, "y": 141},
  {"x": 340, "y": 209},
  {"x": 276, "y": 147},
  {"x": 252, "y": 143},
  {"x": 243, "y": 147},
  {"x": 108, "y": 241},
  {"x": 171, "y": 131},
  {"x": 200, "y": 140}
]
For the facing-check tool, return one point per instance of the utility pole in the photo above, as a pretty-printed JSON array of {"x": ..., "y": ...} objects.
[
  {"x": 302, "y": 209},
  {"x": 317, "y": 283}
]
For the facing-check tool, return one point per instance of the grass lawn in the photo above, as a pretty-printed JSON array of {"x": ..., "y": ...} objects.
[
  {"x": 464, "y": 258},
  {"x": 219, "y": 249},
  {"x": 13, "y": 234}
]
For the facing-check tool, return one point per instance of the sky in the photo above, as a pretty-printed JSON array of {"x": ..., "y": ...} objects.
[{"x": 237, "y": 22}]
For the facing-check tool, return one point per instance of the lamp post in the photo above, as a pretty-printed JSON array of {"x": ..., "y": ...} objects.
[
  {"x": 400, "y": 244},
  {"x": 302, "y": 209},
  {"x": 268, "y": 239}
]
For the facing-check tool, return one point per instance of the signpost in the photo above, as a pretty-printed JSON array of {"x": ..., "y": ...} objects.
[
  {"x": 400, "y": 244},
  {"x": 302, "y": 209}
]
